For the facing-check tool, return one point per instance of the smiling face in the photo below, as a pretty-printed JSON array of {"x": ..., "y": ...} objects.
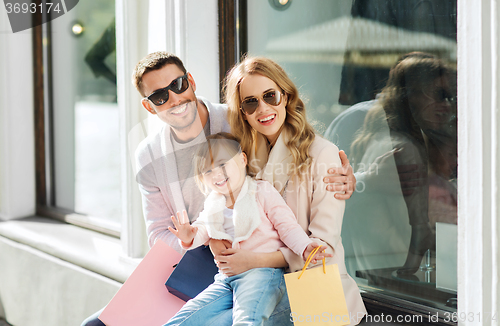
[
  {"x": 267, "y": 119},
  {"x": 180, "y": 111},
  {"x": 227, "y": 174}
]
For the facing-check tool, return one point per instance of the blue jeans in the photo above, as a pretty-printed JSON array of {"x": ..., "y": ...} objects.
[{"x": 251, "y": 296}]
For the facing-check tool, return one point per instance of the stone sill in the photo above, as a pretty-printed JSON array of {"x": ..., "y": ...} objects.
[{"x": 88, "y": 249}]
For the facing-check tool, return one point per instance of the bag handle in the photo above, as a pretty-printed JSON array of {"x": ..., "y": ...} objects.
[{"x": 309, "y": 258}]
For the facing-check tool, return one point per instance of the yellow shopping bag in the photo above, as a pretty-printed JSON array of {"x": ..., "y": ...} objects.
[{"x": 316, "y": 295}]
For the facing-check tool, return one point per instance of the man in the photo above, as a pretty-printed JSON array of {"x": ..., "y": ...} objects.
[
  {"x": 164, "y": 159},
  {"x": 165, "y": 171}
]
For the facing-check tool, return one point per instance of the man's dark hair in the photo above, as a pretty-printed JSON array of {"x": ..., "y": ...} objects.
[{"x": 154, "y": 61}]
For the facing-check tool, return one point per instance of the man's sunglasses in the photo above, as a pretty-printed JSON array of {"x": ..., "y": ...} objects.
[
  {"x": 178, "y": 86},
  {"x": 271, "y": 97}
]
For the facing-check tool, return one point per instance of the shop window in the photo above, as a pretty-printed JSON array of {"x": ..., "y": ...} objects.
[
  {"x": 79, "y": 163},
  {"x": 398, "y": 129}
]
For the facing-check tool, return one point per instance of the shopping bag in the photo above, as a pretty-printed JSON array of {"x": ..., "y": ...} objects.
[
  {"x": 316, "y": 296},
  {"x": 143, "y": 299},
  {"x": 193, "y": 274}
]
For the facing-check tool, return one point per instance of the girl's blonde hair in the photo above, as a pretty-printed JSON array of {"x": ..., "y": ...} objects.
[
  {"x": 300, "y": 134},
  {"x": 208, "y": 152}
]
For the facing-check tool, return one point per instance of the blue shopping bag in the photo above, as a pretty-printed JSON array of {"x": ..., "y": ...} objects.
[{"x": 194, "y": 272}]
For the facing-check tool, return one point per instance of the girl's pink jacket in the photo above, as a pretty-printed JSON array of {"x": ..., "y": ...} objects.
[{"x": 263, "y": 222}]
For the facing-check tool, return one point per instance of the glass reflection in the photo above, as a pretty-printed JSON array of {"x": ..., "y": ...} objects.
[
  {"x": 405, "y": 154},
  {"x": 85, "y": 114}
]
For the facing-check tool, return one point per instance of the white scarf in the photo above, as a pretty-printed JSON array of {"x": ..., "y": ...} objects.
[
  {"x": 275, "y": 166},
  {"x": 246, "y": 216}
]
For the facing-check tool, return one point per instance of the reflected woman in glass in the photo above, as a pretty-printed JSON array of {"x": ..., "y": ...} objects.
[{"x": 408, "y": 141}]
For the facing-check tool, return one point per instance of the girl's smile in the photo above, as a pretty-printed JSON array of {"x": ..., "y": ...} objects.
[
  {"x": 226, "y": 175},
  {"x": 221, "y": 183}
]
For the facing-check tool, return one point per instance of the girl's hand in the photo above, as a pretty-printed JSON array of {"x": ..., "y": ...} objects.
[
  {"x": 183, "y": 230},
  {"x": 319, "y": 255},
  {"x": 236, "y": 261},
  {"x": 217, "y": 246}
]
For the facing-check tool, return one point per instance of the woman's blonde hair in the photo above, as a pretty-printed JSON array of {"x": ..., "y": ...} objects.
[
  {"x": 300, "y": 134},
  {"x": 208, "y": 152}
]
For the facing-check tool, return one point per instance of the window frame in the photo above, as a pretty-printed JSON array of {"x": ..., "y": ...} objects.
[
  {"x": 44, "y": 156},
  {"x": 233, "y": 36}
]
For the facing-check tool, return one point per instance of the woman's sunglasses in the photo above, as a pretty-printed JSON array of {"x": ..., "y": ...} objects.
[
  {"x": 271, "y": 97},
  {"x": 178, "y": 85}
]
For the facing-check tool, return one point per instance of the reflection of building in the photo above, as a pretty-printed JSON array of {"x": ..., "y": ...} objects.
[
  {"x": 94, "y": 264},
  {"x": 366, "y": 48},
  {"x": 357, "y": 41},
  {"x": 436, "y": 18}
]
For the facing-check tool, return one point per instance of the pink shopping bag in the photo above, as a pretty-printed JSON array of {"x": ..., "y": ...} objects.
[{"x": 143, "y": 299}]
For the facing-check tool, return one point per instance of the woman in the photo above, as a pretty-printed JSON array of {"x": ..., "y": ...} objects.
[
  {"x": 415, "y": 117},
  {"x": 264, "y": 106}
]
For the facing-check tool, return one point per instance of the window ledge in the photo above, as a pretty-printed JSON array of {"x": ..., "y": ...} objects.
[{"x": 88, "y": 249}]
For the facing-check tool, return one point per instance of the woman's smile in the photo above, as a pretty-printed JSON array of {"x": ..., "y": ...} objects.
[{"x": 267, "y": 119}]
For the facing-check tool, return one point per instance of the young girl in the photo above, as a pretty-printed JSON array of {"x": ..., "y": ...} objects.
[{"x": 252, "y": 215}]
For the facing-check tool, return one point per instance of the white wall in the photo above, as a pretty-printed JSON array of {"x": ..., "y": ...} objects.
[
  {"x": 478, "y": 162},
  {"x": 189, "y": 29},
  {"x": 202, "y": 55},
  {"x": 131, "y": 46},
  {"x": 17, "y": 156},
  {"x": 38, "y": 289}
]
